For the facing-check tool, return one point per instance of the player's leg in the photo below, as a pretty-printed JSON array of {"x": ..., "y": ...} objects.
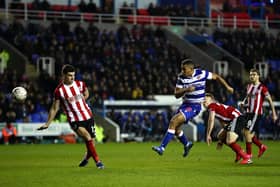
[
  {"x": 189, "y": 112},
  {"x": 250, "y": 135},
  {"x": 184, "y": 140},
  {"x": 231, "y": 139},
  {"x": 247, "y": 131},
  {"x": 232, "y": 136},
  {"x": 85, "y": 130},
  {"x": 91, "y": 151},
  {"x": 175, "y": 122},
  {"x": 222, "y": 134}
]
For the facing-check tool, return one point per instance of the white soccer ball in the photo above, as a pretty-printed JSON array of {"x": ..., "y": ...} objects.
[{"x": 19, "y": 93}]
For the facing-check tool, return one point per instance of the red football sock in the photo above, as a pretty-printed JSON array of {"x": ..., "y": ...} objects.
[
  {"x": 256, "y": 141},
  {"x": 249, "y": 148},
  {"x": 88, "y": 155},
  {"x": 91, "y": 151},
  {"x": 236, "y": 148}
]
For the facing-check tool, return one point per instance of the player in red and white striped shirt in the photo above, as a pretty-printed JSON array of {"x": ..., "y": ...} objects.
[
  {"x": 230, "y": 118},
  {"x": 256, "y": 94},
  {"x": 71, "y": 94}
]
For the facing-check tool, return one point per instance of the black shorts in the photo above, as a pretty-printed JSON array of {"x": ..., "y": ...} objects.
[
  {"x": 88, "y": 125},
  {"x": 253, "y": 121},
  {"x": 237, "y": 124}
]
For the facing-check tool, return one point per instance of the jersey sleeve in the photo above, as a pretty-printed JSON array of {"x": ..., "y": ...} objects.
[
  {"x": 56, "y": 94},
  {"x": 265, "y": 91},
  {"x": 179, "y": 83},
  {"x": 208, "y": 74},
  {"x": 211, "y": 107},
  {"x": 84, "y": 86}
]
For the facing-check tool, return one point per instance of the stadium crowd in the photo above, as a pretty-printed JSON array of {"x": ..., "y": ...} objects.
[
  {"x": 112, "y": 64},
  {"x": 249, "y": 46}
]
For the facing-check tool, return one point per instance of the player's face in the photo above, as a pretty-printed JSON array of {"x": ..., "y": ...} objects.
[
  {"x": 187, "y": 70},
  {"x": 254, "y": 77},
  {"x": 69, "y": 78},
  {"x": 207, "y": 101}
]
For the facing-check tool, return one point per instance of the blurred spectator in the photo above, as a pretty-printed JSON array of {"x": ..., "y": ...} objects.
[
  {"x": 2, "y": 4},
  {"x": 276, "y": 130},
  {"x": 36, "y": 5},
  {"x": 9, "y": 132},
  {"x": 99, "y": 134},
  {"x": 91, "y": 7},
  {"x": 159, "y": 127},
  {"x": 4, "y": 59},
  {"x": 146, "y": 127},
  {"x": 137, "y": 92},
  {"x": 82, "y": 6},
  {"x": 45, "y": 5},
  {"x": 125, "y": 9}
]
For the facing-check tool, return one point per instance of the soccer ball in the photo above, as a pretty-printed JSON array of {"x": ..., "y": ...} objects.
[{"x": 19, "y": 93}]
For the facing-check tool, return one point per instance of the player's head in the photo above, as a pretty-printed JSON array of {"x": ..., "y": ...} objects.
[
  {"x": 254, "y": 75},
  {"x": 187, "y": 67},
  {"x": 68, "y": 74},
  {"x": 209, "y": 98}
]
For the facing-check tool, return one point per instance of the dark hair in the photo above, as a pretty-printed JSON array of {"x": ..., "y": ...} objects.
[
  {"x": 67, "y": 68},
  {"x": 187, "y": 61},
  {"x": 255, "y": 70}
]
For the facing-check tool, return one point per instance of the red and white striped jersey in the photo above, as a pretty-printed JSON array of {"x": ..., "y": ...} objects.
[
  {"x": 73, "y": 102},
  {"x": 224, "y": 112},
  {"x": 256, "y": 95}
]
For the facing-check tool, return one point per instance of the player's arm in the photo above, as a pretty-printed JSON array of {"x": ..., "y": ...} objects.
[
  {"x": 86, "y": 94},
  {"x": 269, "y": 99},
  {"x": 242, "y": 103},
  {"x": 179, "y": 92},
  {"x": 52, "y": 113},
  {"x": 222, "y": 81},
  {"x": 210, "y": 126}
]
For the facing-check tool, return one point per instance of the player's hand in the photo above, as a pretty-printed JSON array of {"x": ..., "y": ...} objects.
[
  {"x": 241, "y": 104},
  {"x": 190, "y": 89},
  {"x": 219, "y": 146},
  {"x": 230, "y": 90},
  {"x": 274, "y": 118},
  {"x": 209, "y": 140},
  {"x": 42, "y": 127}
]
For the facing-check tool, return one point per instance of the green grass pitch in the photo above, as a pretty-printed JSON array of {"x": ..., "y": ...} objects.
[{"x": 135, "y": 164}]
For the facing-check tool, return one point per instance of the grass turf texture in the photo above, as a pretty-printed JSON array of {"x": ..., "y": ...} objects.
[{"x": 135, "y": 164}]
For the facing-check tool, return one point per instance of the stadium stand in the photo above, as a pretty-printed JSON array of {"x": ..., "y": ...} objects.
[{"x": 115, "y": 59}]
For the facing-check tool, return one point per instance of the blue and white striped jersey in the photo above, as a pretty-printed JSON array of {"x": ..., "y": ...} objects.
[{"x": 198, "y": 80}]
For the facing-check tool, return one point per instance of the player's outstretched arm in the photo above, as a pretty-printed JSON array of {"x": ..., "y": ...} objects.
[
  {"x": 223, "y": 82},
  {"x": 274, "y": 115},
  {"x": 86, "y": 94},
  {"x": 210, "y": 126},
  {"x": 52, "y": 113}
]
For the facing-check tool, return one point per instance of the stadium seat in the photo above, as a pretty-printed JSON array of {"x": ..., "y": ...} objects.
[
  {"x": 144, "y": 19},
  {"x": 88, "y": 17},
  {"x": 143, "y": 12},
  {"x": 161, "y": 20}
]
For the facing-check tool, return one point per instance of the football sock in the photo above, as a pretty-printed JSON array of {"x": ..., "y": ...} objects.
[
  {"x": 236, "y": 148},
  {"x": 256, "y": 141},
  {"x": 183, "y": 139},
  {"x": 88, "y": 155},
  {"x": 91, "y": 150},
  {"x": 249, "y": 148},
  {"x": 168, "y": 136}
]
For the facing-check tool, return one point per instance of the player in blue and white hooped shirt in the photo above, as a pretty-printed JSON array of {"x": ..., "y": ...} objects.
[{"x": 190, "y": 86}]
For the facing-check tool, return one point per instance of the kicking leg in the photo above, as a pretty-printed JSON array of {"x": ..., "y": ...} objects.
[
  {"x": 175, "y": 122},
  {"x": 91, "y": 152}
]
